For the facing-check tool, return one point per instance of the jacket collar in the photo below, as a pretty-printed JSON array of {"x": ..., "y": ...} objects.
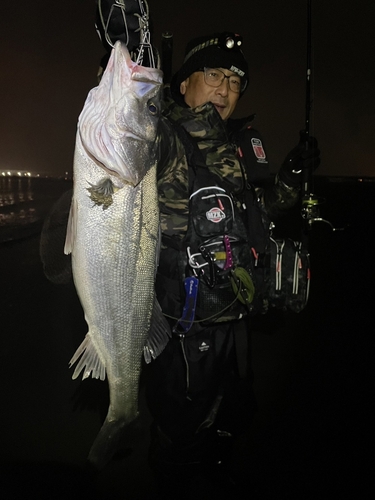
[
  {"x": 202, "y": 123},
  {"x": 205, "y": 118}
]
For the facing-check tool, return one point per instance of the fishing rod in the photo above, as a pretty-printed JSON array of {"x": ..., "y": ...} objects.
[
  {"x": 310, "y": 202},
  {"x": 310, "y": 208},
  {"x": 166, "y": 56}
]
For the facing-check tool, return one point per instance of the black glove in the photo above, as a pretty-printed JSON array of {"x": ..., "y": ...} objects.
[
  {"x": 304, "y": 156},
  {"x": 111, "y": 25}
]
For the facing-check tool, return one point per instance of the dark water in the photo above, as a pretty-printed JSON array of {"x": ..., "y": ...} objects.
[
  {"x": 314, "y": 371},
  {"x": 24, "y": 203}
]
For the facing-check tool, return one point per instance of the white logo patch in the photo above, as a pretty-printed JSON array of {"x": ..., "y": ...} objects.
[
  {"x": 204, "y": 347},
  {"x": 215, "y": 215},
  {"x": 236, "y": 70}
]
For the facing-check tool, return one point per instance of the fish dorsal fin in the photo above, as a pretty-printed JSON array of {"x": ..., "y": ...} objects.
[
  {"x": 159, "y": 334},
  {"x": 89, "y": 361}
]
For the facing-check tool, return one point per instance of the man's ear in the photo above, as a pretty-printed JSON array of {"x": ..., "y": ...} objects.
[{"x": 183, "y": 86}]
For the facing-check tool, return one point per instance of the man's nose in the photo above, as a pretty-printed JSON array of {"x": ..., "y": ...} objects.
[{"x": 222, "y": 89}]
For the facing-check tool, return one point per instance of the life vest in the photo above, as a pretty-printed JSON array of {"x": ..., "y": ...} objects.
[{"x": 208, "y": 276}]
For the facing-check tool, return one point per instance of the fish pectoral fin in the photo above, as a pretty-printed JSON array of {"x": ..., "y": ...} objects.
[
  {"x": 158, "y": 335},
  {"x": 89, "y": 361},
  {"x": 102, "y": 192}
]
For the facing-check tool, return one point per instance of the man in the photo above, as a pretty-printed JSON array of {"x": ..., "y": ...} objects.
[{"x": 194, "y": 390}]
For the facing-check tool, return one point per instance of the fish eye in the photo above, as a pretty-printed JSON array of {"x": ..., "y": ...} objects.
[{"x": 153, "y": 109}]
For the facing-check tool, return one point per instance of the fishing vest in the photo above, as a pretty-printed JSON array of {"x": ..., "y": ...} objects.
[{"x": 208, "y": 276}]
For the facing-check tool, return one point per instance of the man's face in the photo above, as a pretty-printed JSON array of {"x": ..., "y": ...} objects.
[{"x": 196, "y": 92}]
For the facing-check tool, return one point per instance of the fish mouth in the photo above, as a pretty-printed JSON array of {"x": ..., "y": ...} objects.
[{"x": 131, "y": 135}]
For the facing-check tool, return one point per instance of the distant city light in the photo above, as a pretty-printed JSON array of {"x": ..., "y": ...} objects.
[{"x": 18, "y": 173}]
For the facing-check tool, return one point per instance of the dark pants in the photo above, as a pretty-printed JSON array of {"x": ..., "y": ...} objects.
[{"x": 197, "y": 399}]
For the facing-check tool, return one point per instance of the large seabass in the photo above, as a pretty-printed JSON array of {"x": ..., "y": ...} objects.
[{"x": 113, "y": 235}]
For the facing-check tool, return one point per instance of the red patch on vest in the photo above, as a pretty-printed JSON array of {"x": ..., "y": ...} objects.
[{"x": 258, "y": 149}]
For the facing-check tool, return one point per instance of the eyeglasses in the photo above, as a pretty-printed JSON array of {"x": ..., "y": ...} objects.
[{"x": 215, "y": 77}]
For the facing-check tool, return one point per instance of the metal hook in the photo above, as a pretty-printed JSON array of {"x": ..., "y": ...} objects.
[{"x": 145, "y": 36}]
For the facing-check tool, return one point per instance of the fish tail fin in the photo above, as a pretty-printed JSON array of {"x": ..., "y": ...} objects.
[
  {"x": 110, "y": 439},
  {"x": 89, "y": 361}
]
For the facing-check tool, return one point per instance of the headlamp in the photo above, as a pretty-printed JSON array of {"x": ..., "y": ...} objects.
[{"x": 230, "y": 41}]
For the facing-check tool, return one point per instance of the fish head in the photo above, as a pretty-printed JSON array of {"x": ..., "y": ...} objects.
[{"x": 119, "y": 121}]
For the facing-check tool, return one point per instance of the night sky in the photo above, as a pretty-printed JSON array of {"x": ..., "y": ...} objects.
[{"x": 50, "y": 54}]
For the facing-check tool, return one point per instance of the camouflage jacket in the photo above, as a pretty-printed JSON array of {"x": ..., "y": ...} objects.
[{"x": 219, "y": 146}]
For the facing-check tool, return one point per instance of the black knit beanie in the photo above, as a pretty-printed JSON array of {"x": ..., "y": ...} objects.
[{"x": 219, "y": 50}]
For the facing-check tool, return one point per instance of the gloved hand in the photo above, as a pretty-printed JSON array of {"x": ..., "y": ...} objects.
[
  {"x": 112, "y": 26},
  {"x": 305, "y": 155}
]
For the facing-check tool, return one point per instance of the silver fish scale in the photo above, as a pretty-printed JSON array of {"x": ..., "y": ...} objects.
[{"x": 113, "y": 266}]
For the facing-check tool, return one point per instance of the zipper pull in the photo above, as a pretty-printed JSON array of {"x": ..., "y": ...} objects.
[
  {"x": 220, "y": 203},
  {"x": 256, "y": 256}
]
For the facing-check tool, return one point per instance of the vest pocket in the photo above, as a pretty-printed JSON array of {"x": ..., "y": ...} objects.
[{"x": 212, "y": 211}]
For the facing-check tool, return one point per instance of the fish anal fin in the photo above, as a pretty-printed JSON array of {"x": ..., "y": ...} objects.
[
  {"x": 88, "y": 361},
  {"x": 159, "y": 334},
  {"x": 70, "y": 230}
]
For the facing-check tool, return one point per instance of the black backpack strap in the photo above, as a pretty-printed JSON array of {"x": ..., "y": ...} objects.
[
  {"x": 192, "y": 152},
  {"x": 195, "y": 161}
]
